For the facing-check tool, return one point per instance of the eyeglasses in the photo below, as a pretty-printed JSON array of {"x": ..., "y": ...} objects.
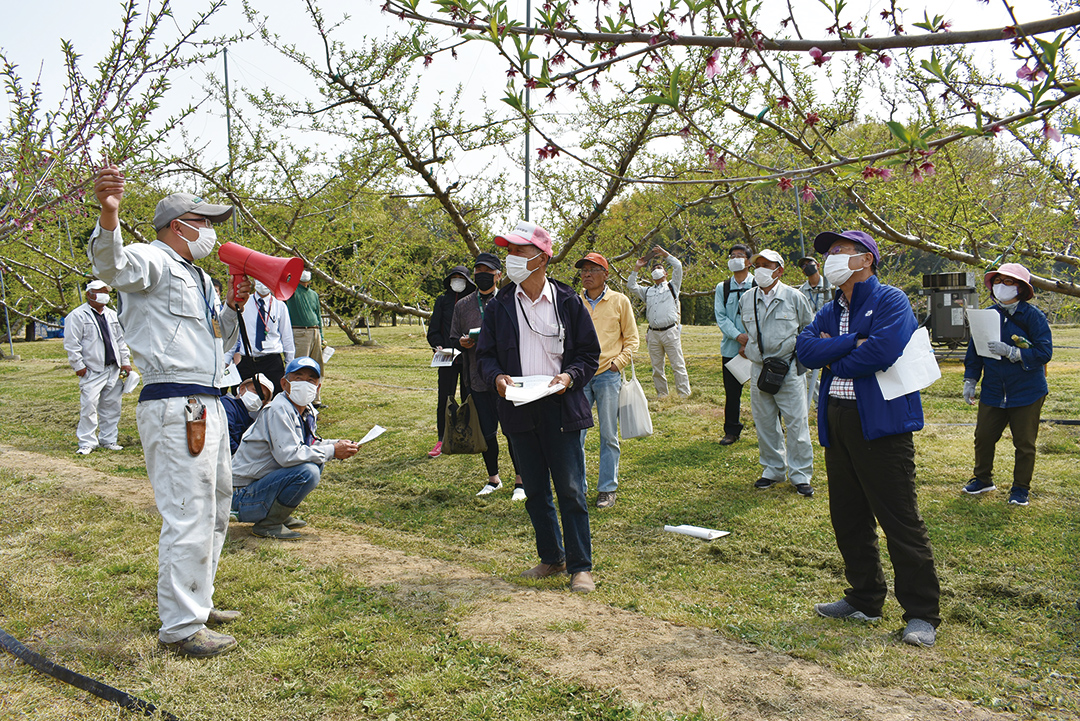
[
  {"x": 845, "y": 251},
  {"x": 204, "y": 222}
]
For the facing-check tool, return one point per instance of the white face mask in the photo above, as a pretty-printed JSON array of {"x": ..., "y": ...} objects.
[
  {"x": 457, "y": 284},
  {"x": 204, "y": 245},
  {"x": 252, "y": 401},
  {"x": 517, "y": 268},
  {"x": 1006, "y": 293},
  {"x": 658, "y": 274},
  {"x": 736, "y": 264},
  {"x": 102, "y": 298},
  {"x": 764, "y": 277},
  {"x": 261, "y": 289},
  {"x": 838, "y": 269},
  {"x": 302, "y": 393}
]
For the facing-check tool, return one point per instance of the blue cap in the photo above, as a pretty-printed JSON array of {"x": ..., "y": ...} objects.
[
  {"x": 303, "y": 362},
  {"x": 824, "y": 241}
]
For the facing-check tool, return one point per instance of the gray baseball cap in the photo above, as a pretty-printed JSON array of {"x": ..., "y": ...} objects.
[{"x": 173, "y": 206}]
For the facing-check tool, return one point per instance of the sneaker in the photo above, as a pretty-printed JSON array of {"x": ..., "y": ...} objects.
[
  {"x": 84, "y": 451},
  {"x": 489, "y": 487},
  {"x": 605, "y": 499},
  {"x": 729, "y": 438},
  {"x": 975, "y": 487},
  {"x": 204, "y": 643},
  {"x": 804, "y": 489},
  {"x": 544, "y": 570},
  {"x": 234, "y": 516},
  {"x": 436, "y": 451},
  {"x": 1018, "y": 496},
  {"x": 920, "y": 633},
  {"x": 582, "y": 582},
  {"x": 763, "y": 483},
  {"x": 519, "y": 494},
  {"x": 112, "y": 447},
  {"x": 843, "y": 611},
  {"x": 218, "y": 615}
]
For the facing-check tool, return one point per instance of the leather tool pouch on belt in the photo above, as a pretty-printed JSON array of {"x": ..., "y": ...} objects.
[{"x": 195, "y": 414}]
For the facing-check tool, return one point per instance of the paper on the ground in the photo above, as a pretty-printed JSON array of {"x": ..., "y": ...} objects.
[
  {"x": 327, "y": 354},
  {"x": 985, "y": 325},
  {"x": 527, "y": 389},
  {"x": 698, "y": 532},
  {"x": 915, "y": 369},
  {"x": 739, "y": 367},
  {"x": 132, "y": 382},
  {"x": 374, "y": 433},
  {"x": 444, "y": 357},
  {"x": 231, "y": 377}
]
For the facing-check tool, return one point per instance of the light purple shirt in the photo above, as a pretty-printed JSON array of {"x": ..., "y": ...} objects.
[{"x": 541, "y": 334}]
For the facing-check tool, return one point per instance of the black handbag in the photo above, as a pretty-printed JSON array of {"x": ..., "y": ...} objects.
[{"x": 773, "y": 370}]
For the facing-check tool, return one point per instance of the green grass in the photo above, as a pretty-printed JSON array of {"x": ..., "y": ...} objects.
[{"x": 316, "y": 644}]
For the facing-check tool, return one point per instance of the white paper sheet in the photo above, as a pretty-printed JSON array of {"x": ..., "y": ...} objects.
[
  {"x": 442, "y": 358},
  {"x": 985, "y": 326},
  {"x": 327, "y": 354},
  {"x": 374, "y": 433},
  {"x": 527, "y": 389},
  {"x": 914, "y": 370},
  {"x": 231, "y": 377},
  {"x": 707, "y": 534},
  {"x": 132, "y": 382},
  {"x": 740, "y": 368}
]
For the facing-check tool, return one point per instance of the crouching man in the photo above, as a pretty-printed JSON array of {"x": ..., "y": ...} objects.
[{"x": 280, "y": 458}]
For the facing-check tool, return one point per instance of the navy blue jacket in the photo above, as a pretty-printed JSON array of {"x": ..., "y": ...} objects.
[
  {"x": 882, "y": 315},
  {"x": 1014, "y": 385},
  {"x": 239, "y": 419},
  {"x": 497, "y": 354}
]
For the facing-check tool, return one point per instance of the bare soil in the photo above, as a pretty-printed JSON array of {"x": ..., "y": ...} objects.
[{"x": 651, "y": 662}]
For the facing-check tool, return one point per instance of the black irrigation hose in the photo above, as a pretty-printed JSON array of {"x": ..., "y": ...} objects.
[{"x": 45, "y": 666}]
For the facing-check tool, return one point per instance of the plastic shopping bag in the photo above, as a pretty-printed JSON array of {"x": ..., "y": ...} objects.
[{"x": 634, "y": 418}]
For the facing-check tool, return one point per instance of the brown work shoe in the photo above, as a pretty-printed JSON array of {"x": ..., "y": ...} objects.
[
  {"x": 605, "y": 499},
  {"x": 582, "y": 582},
  {"x": 204, "y": 643},
  {"x": 544, "y": 570},
  {"x": 219, "y": 616}
]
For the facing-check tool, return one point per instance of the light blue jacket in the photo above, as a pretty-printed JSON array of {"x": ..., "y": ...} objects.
[{"x": 727, "y": 315}]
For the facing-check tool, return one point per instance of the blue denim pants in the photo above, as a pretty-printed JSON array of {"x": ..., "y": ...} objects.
[
  {"x": 549, "y": 457},
  {"x": 287, "y": 486},
  {"x": 603, "y": 390}
]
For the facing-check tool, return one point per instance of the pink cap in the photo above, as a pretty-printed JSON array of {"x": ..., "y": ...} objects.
[
  {"x": 1014, "y": 271},
  {"x": 526, "y": 233}
]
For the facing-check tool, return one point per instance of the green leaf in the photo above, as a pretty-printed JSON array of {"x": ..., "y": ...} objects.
[{"x": 899, "y": 132}]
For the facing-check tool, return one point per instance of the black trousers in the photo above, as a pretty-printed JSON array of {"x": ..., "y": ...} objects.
[
  {"x": 1024, "y": 423},
  {"x": 870, "y": 483},
  {"x": 448, "y": 386},
  {"x": 488, "y": 414},
  {"x": 269, "y": 365},
  {"x": 732, "y": 400}
]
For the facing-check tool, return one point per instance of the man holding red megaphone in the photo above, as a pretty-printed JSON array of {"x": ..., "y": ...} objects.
[{"x": 175, "y": 328}]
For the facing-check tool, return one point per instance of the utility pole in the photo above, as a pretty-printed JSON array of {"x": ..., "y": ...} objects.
[{"x": 528, "y": 155}]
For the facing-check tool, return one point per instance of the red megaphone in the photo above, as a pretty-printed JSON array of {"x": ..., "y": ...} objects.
[{"x": 280, "y": 275}]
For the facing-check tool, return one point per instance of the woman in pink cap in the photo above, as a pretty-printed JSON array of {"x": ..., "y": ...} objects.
[{"x": 1013, "y": 385}]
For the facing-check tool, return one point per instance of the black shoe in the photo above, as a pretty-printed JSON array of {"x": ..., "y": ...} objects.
[
  {"x": 763, "y": 483},
  {"x": 728, "y": 439},
  {"x": 804, "y": 489}
]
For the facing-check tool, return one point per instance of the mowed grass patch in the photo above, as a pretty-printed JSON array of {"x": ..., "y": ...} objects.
[{"x": 1009, "y": 575}]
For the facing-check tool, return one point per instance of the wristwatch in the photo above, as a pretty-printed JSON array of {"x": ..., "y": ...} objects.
[{"x": 571, "y": 383}]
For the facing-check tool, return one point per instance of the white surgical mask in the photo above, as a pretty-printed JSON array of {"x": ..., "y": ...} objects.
[
  {"x": 252, "y": 401},
  {"x": 205, "y": 244},
  {"x": 102, "y": 298},
  {"x": 302, "y": 393},
  {"x": 1005, "y": 293},
  {"x": 261, "y": 289},
  {"x": 457, "y": 284},
  {"x": 736, "y": 264},
  {"x": 658, "y": 274},
  {"x": 837, "y": 269},
  {"x": 764, "y": 277},
  {"x": 517, "y": 268}
]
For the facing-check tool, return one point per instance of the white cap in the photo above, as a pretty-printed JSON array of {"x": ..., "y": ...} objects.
[
  {"x": 305, "y": 277},
  {"x": 770, "y": 255},
  {"x": 96, "y": 285}
]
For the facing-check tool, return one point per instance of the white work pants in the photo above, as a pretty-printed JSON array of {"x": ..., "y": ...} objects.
[
  {"x": 796, "y": 457},
  {"x": 668, "y": 342},
  {"x": 99, "y": 407},
  {"x": 193, "y": 495}
]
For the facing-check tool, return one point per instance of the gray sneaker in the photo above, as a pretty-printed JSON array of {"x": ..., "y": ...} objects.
[
  {"x": 204, "y": 643},
  {"x": 605, "y": 499},
  {"x": 843, "y": 611},
  {"x": 920, "y": 633}
]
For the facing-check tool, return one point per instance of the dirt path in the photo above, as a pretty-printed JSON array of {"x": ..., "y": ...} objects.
[{"x": 676, "y": 668}]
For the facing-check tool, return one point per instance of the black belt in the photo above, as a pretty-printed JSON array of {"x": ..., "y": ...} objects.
[
  {"x": 842, "y": 402},
  {"x": 667, "y": 327}
]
